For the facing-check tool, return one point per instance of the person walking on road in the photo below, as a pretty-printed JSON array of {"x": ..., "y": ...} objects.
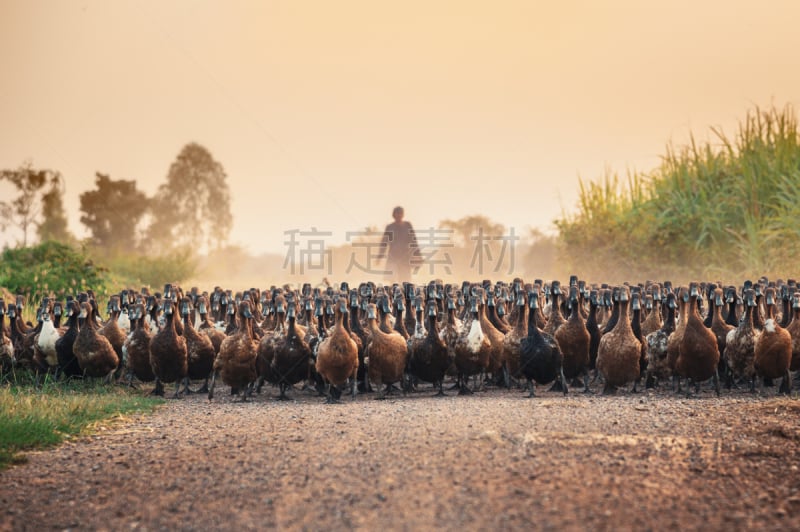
[{"x": 403, "y": 250}]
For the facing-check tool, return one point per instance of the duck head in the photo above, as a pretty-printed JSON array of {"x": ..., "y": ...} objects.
[
  {"x": 473, "y": 304},
  {"x": 186, "y": 306},
  {"x": 769, "y": 295},
  {"x": 750, "y": 297},
  {"x": 372, "y": 311},
  {"x": 430, "y": 307},
  {"x": 635, "y": 303},
  {"x": 245, "y": 310}
]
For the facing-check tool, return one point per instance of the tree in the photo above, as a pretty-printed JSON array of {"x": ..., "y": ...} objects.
[
  {"x": 112, "y": 212},
  {"x": 193, "y": 207},
  {"x": 54, "y": 218},
  {"x": 467, "y": 228},
  {"x": 23, "y": 211}
]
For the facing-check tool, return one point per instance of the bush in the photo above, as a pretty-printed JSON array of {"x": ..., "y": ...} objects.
[
  {"x": 725, "y": 211},
  {"x": 50, "y": 268}
]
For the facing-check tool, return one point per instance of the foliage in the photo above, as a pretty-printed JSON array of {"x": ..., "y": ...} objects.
[
  {"x": 133, "y": 270},
  {"x": 112, "y": 212},
  {"x": 32, "y": 418},
  {"x": 50, "y": 268},
  {"x": 192, "y": 208},
  {"x": 726, "y": 210},
  {"x": 25, "y": 210},
  {"x": 54, "y": 218}
]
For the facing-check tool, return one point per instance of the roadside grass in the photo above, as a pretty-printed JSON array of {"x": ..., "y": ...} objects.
[{"x": 36, "y": 418}]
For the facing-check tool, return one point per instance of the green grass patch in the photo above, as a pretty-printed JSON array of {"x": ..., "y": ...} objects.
[{"x": 32, "y": 418}]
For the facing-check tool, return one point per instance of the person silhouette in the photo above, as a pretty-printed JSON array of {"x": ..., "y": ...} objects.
[{"x": 403, "y": 250}]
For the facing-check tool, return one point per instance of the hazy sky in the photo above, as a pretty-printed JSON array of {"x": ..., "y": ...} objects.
[{"x": 326, "y": 114}]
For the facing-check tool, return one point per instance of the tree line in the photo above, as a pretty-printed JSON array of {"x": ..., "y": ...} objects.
[{"x": 189, "y": 211}]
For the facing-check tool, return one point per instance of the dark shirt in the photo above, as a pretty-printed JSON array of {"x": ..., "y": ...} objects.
[{"x": 402, "y": 242}]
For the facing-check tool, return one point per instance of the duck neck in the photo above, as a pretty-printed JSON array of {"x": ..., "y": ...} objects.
[
  {"x": 451, "y": 316},
  {"x": 669, "y": 323},
  {"x": 748, "y": 316},
  {"x": 787, "y": 313},
  {"x": 399, "y": 324},
  {"x": 592, "y": 319},
  {"x": 717, "y": 314},
  {"x": 433, "y": 326},
  {"x": 355, "y": 323},
  {"x": 555, "y": 307},
  {"x": 522, "y": 319},
  {"x": 623, "y": 323},
  {"x": 533, "y": 329}
]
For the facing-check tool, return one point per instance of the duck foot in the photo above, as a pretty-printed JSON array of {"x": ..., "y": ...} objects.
[
  {"x": 556, "y": 387},
  {"x": 609, "y": 390},
  {"x": 786, "y": 385}
]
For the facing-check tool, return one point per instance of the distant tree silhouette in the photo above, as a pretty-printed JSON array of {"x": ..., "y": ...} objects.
[
  {"x": 54, "y": 217},
  {"x": 193, "y": 207},
  {"x": 36, "y": 206},
  {"x": 112, "y": 212}
]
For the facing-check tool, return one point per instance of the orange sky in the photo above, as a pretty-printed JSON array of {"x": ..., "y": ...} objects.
[{"x": 327, "y": 114}]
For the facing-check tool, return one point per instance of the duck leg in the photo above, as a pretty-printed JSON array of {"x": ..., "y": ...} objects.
[
  {"x": 283, "y": 397},
  {"x": 586, "y": 382},
  {"x": 464, "y": 385},
  {"x": 531, "y": 389},
  {"x": 211, "y": 389},
  {"x": 186, "y": 390},
  {"x": 564, "y": 382},
  {"x": 329, "y": 392},
  {"x": 159, "y": 389},
  {"x": 440, "y": 386},
  {"x": 609, "y": 390},
  {"x": 716, "y": 382},
  {"x": 786, "y": 384},
  {"x": 676, "y": 384},
  {"x": 649, "y": 380},
  {"x": 177, "y": 394}
]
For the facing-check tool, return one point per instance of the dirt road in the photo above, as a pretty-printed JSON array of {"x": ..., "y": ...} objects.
[{"x": 489, "y": 461}]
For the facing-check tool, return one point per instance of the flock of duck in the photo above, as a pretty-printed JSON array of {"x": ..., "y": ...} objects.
[{"x": 396, "y": 337}]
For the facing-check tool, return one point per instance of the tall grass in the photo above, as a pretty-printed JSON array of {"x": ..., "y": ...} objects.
[
  {"x": 32, "y": 418},
  {"x": 726, "y": 209}
]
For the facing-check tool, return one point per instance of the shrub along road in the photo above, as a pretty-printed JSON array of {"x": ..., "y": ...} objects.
[{"x": 492, "y": 460}]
